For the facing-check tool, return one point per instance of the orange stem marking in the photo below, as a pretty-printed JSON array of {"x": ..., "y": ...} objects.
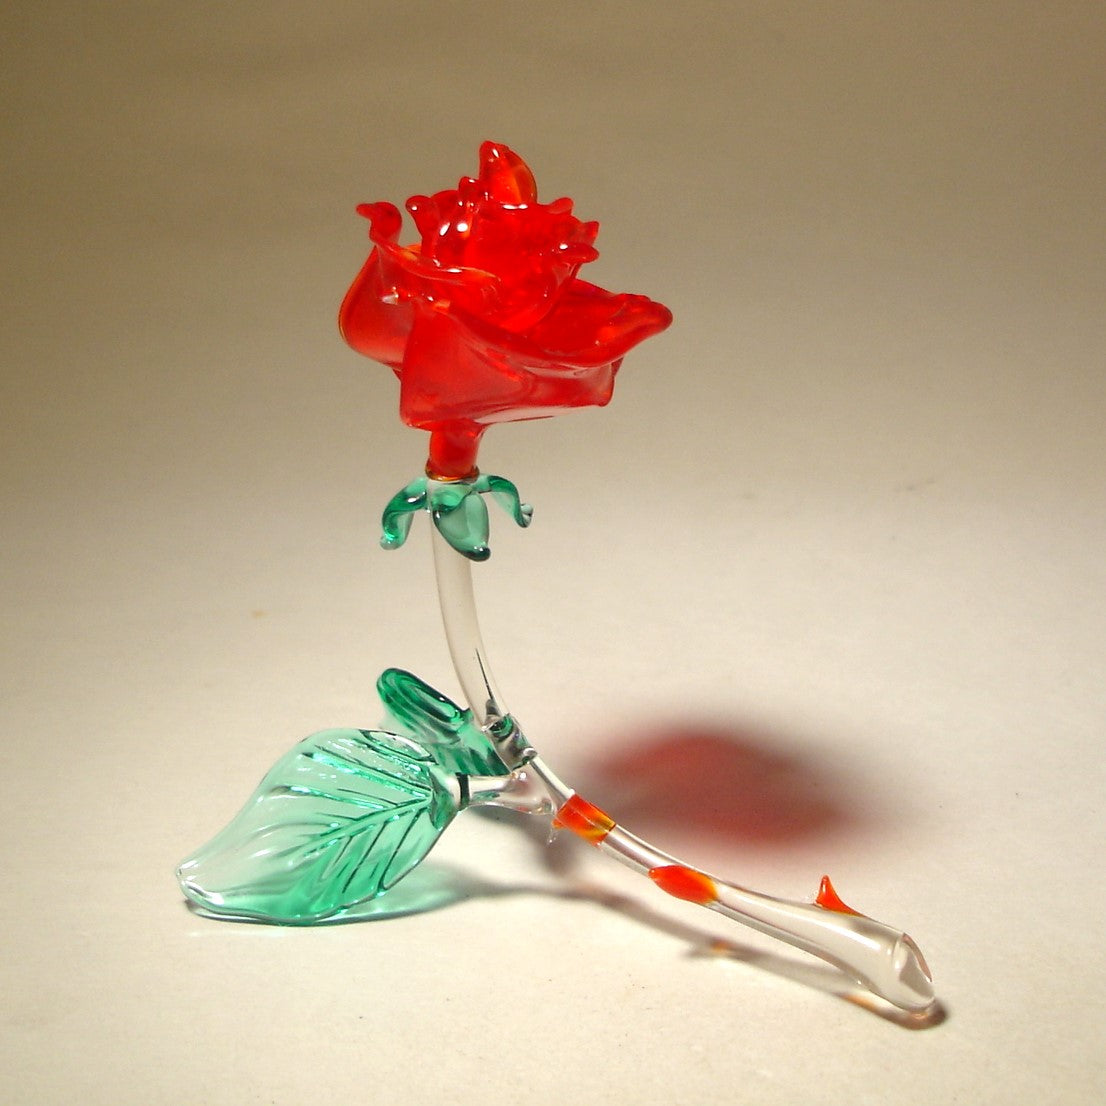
[
  {"x": 584, "y": 819},
  {"x": 685, "y": 883}
]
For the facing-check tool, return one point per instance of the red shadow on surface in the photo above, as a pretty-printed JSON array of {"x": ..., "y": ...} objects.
[{"x": 726, "y": 782}]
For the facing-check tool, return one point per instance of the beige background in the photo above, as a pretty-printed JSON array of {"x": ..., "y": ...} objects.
[{"x": 823, "y": 589}]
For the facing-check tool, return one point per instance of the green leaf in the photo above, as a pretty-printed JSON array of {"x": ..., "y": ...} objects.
[
  {"x": 338, "y": 820},
  {"x": 438, "y": 724}
]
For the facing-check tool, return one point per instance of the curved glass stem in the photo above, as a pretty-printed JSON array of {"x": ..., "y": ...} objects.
[
  {"x": 882, "y": 958},
  {"x": 462, "y": 631},
  {"x": 453, "y": 573}
]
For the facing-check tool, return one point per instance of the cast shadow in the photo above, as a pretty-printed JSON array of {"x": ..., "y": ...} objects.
[
  {"x": 727, "y": 784},
  {"x": 434, "y": 886},
  {"x": 731, "y": 784}
]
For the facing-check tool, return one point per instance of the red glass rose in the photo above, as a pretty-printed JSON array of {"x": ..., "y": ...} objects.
[{"x": 484, "y": 320}]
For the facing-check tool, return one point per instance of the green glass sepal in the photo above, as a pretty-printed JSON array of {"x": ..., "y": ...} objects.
[
  {"x": 438, "y": 724},
  {"x": 506, "y": 495},
  {"x": 458, "y": 511},
  {"x": 461, "y": 517},
  {"x": 398, "y": 514}
]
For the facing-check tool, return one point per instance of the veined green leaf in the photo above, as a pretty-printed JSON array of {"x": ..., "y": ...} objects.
[{"x": 338, "y": 820}]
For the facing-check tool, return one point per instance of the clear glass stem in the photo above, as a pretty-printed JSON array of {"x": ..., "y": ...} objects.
[
  {"x": 883, "y": 959},
  {"x": 462, "y": 631}
]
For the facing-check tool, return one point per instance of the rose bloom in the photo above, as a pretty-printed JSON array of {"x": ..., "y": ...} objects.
[{"x": 485, "y": 320}]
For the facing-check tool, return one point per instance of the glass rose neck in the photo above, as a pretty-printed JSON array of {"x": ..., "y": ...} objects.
[
  {"x": 453, "y": 450},
  {"x": 880, "y": 957}
]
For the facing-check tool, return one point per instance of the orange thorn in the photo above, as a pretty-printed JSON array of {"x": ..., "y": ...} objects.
[{"x": 828, "y": 899}]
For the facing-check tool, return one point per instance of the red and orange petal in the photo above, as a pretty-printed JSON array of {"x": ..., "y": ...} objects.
[
  {"x": 384, "y": 218},
  {"x": 508, "y": 178},
  {"x": 587, "y": 327},
  {"x": 522, "y": 254},
  {"x": 426, "y": 213},
  {"x": 452, "y": 373},
  {"x": 371, "y": 320},
  {"x": 485, "y": 320}
]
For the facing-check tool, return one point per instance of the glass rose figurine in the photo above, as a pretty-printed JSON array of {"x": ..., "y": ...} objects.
[{"x": 484, "y": 320}]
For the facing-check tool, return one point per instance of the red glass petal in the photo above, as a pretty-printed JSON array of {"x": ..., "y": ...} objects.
[
  {"x": 452, "y": 373},
  {"x": 373, "y": 319},
  {"x": 588, "y": 327},
  {"x": 384, "y": 220},
  {"x": 506, "y": 175},
  {"x": 484, "y": 319},
  {"x": 426, "y": 211}
]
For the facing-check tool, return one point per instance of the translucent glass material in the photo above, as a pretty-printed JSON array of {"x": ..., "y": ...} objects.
[
  {"x": 438, "y": 725},
  {"x": 340, "y": 819},
  {"x": 458, "y": 511},
  {"x": 347, "y": 814},
  {"x": 484, "y": 319},
  {"x": 880, "y": 957}
]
